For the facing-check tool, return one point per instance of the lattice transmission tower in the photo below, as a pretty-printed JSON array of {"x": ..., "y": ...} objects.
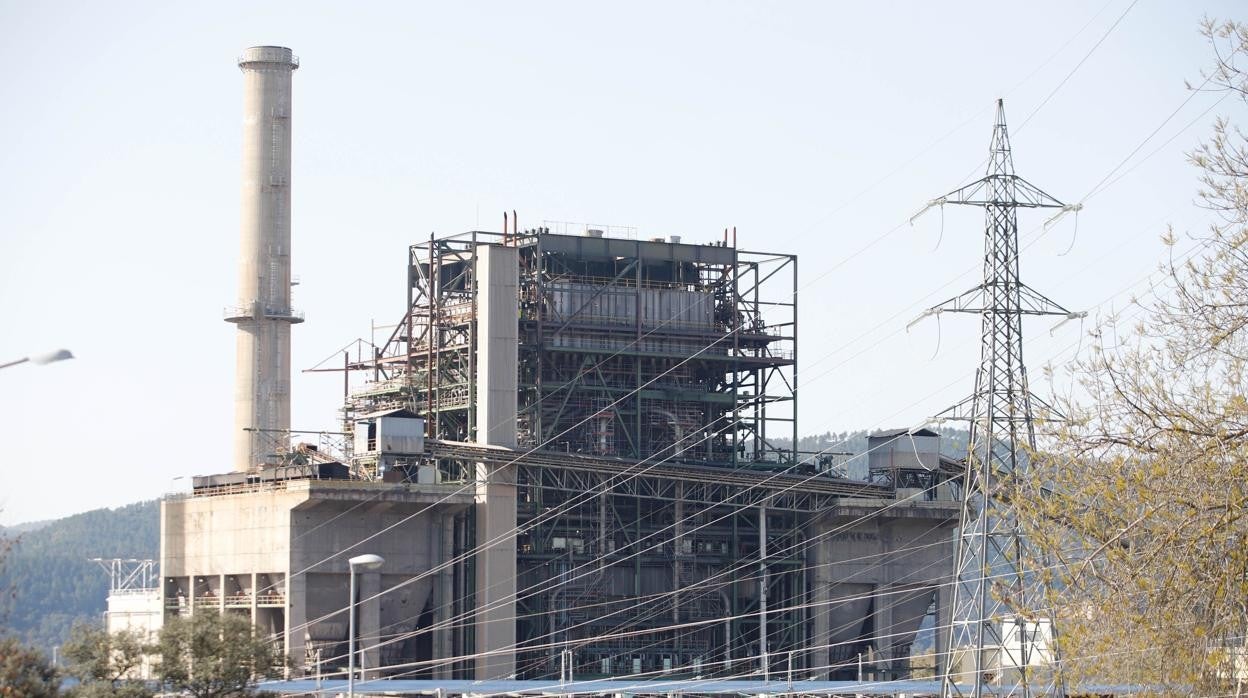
[{"x": 1011, "y": 651}]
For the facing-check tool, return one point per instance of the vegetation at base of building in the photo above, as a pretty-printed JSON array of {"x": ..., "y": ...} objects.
[
  {"x": 48, "y": 578},
  {"x": 25, "y": 672},
  {"x": 210, "y": 655},
  {"x": 207, "y": 655},
  {"x": 1139, "y": 505},
  {"x": 103, "y": 664}
]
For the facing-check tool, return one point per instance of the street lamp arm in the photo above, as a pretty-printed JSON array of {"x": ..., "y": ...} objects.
[{"x": 42, "y": 359}]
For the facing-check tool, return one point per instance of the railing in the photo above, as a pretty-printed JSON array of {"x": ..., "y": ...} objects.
[
  {"x": 244, "y": 312},
  {"x": 231, "y": 601}
]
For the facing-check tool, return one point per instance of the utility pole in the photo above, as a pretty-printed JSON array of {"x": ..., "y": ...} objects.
[{"x": 996, "y": 589}]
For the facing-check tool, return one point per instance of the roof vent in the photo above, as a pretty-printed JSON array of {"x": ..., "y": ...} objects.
[{"x": 593, "y": 233}]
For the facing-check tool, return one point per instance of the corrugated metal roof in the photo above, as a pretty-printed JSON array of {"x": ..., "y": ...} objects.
[
  {"x": 400, "y": 687},
  {"x": 609, "y": 686},
  {"x": 922, "y": 431}
]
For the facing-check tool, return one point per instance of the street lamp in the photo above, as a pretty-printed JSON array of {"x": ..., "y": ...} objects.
[
  {"x": 368, "y": 562},
  {"x": 41, "y": 359}
]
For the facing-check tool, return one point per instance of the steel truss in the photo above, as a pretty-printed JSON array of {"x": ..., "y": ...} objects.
[
  {"x": 631, "y": 353},
  {"x": 997, "y": 588}
]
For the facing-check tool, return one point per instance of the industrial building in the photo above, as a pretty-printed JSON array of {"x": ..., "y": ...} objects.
[{"x": 575, "y": 452}]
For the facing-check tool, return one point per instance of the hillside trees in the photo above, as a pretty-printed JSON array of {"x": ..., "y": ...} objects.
[
  {"x": 1142, "y": 495},
  {"x": 48, "y": 578}
]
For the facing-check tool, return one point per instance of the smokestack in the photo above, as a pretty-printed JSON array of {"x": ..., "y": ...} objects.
[{"x": 263, "y": 314}]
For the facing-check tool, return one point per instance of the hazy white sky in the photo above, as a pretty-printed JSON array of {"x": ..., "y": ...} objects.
[{"x": 815, "y": 128}]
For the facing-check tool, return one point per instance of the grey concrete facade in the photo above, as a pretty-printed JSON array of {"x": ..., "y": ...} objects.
[
  {"x": 278, "y": 554},
  {"x": 877, "y": 567}
]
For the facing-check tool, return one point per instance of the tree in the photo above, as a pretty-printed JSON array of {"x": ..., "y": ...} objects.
[
  {"x": 105, "y": 664},
  {"x": 1141, "y": 495},
  {"x": 211, "y": 655},
  {"x": 25, "y": 672}
]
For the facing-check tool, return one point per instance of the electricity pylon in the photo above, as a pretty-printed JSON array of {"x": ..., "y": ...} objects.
[{"x": 995, "y": 595}]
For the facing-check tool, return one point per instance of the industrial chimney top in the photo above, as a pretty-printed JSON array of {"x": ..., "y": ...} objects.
[{"x": 268, "y": 54}]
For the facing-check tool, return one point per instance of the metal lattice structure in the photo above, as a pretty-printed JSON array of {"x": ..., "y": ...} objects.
[
  {"x": 129, "y": 574},
  {"x": 628, "y": 348},
  {"x": 996, "y": 645}
]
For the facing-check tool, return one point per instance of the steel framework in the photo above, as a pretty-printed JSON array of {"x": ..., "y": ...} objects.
[
  {"x": 129, "y": 574},
  {"x": 628, "y": 348},
  {"x": 995, "y": 592}
]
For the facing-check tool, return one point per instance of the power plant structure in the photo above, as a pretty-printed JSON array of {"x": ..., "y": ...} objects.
[{"x": 576, "y": 453}]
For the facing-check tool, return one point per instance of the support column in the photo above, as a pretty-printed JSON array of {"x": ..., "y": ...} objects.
[
  {"x": 944, "y": 619},
  {"x": 820, "y": 609},
  {"x": 368, "y": 623},
  {"x": 497, "y": 357},
  {"x": 443, "y": 597},
  {"x": 763, "y": 659},
  {"x": 296, "y": 616},
  {"x": 881, "y": 635}
]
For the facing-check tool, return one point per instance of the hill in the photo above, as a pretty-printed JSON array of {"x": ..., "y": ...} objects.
[{"x": 50, "y": 577}]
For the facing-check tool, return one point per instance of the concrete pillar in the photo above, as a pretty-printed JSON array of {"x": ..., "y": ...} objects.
[
  {"x": 368, "y": 622},
  {"x": 882, "y": 635},
  {"x": 262, "y": 312},
  {"x": 443, "y": 595},
  {"x": 763, "y": 659},
  {"x": 497, "y": 349},
  {"x": 821, "y": 609},
  {"x": 296, "y": 616},
  {"x": 944, "y": 620}
]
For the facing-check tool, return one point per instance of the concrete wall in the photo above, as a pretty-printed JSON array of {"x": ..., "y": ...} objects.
[
  {"x": 874, "y": 575},
  {"x": 139, "y": 611},
  {"x": 281, "y": 555}
]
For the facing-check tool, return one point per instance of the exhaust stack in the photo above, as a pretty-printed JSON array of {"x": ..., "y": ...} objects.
[{"x": 263, "y": 314}]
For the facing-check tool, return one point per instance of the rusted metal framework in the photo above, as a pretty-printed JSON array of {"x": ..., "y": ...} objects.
[{"x": 627, "y": 348}]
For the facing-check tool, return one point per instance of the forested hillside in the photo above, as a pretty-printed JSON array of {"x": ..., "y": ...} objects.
[{"x": 48, "y": 574}]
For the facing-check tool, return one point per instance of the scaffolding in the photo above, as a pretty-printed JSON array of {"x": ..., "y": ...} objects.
[{"x": 628, "y": 348}]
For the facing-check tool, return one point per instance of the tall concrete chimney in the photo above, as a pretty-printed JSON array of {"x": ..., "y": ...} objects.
[{"x": 263, "y": 314}]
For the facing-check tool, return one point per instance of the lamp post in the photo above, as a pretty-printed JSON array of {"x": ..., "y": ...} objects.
[
  {"x": 368, "y": 562},
  {"x": 41, "y": 359}
]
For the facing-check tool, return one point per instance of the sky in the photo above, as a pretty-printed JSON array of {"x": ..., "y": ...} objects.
[{"x": 814, "y": 128}]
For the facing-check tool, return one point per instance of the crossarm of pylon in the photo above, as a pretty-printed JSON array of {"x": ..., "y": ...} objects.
[
  {"x": 979, "y": 193},
  {"x": 966, "y": 302},
  {"x": 961, "y": 411},
  {"x": 958, "y": 412},
  {"x": 1032, "y": 302}
]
